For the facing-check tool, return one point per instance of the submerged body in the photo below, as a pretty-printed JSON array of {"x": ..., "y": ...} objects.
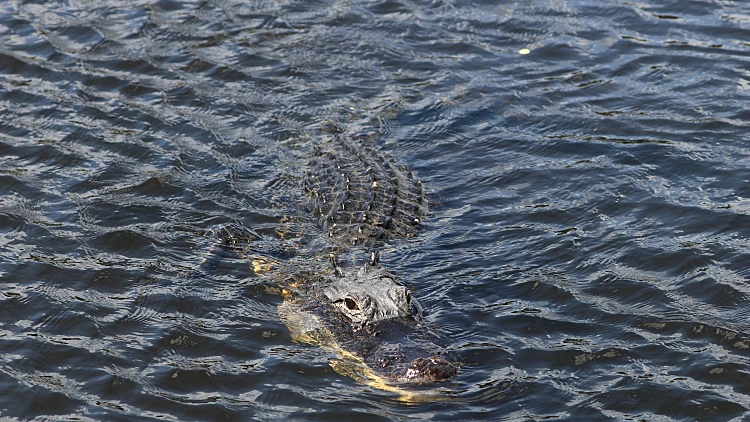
[
  {"x": 360, "y": 200},
  {"x": 363, "y": 199}
]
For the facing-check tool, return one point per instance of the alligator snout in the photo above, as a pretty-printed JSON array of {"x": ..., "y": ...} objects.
[{"x": 432, "y": 369}]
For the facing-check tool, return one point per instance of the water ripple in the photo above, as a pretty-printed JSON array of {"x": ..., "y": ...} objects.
[{"x": 585, "y": 256}]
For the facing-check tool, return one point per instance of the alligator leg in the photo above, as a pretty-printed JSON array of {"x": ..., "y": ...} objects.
[{"x": 231, "y": 239}]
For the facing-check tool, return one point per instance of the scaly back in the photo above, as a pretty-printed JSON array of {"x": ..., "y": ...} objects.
[{"x": 360, "y": 195}]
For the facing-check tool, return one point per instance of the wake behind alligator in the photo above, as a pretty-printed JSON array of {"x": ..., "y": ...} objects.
[{"x": 361, "y": 199}]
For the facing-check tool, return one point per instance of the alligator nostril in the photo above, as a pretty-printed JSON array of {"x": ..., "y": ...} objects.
[
  {"x": 351, "y": 304},
  {"x": 432, "y": 369}
]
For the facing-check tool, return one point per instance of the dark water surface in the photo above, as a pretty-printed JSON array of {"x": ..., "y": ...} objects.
[{"x": 589, "y": 257}]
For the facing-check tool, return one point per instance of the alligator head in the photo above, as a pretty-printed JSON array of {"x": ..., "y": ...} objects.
[{"x": 381, "y": 323}]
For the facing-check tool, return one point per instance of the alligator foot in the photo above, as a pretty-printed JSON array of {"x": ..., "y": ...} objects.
[
  {"x": 234, "y": 236},
  {"x": 232, "y": 240}
]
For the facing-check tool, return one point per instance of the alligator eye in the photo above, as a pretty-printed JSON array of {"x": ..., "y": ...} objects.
[{"x": 350, "y": 304}]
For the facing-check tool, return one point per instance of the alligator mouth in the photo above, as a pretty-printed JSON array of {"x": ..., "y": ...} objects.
[{"x": 429, "y": 370}]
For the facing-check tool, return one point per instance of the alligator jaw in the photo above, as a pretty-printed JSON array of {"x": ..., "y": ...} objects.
[{"x": 373, "y": 324}]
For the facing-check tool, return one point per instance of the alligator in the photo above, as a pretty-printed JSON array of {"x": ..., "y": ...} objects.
[{"x": 360, "y": 199}]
